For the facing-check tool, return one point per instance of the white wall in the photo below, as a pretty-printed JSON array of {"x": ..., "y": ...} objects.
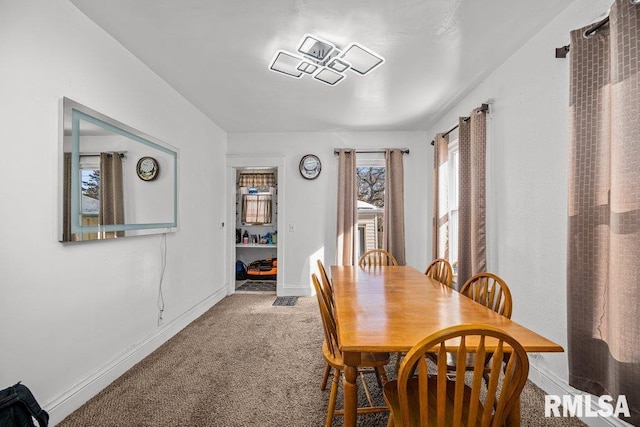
[
  {"x": 75, "y": 316},
  {"x": 528, "y": 161},
  {"x": 311, "y": 205}
]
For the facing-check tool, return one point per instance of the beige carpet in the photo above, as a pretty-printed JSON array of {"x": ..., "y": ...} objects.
[{"x": 243, "y": 363}]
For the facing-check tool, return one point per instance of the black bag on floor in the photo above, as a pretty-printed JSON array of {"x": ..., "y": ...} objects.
[
  {"x": 241, "y": 270},
  {"x": 18, "y": 406}
]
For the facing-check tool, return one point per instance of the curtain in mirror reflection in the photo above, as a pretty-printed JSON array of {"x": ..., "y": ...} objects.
[{"x": 105, "y": 190}]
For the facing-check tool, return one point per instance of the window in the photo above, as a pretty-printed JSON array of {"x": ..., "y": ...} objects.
[
  {"x": 90, "y": 188},
  {"x": 89, "y": 193},
  {"x": 370, "y": 181},
  {"x": 453, "y": 164},
  {"x": 448, "y": 178},
  {"x": 257, "y": 208}
]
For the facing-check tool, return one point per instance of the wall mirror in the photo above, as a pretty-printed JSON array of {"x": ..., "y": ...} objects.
[{"x": 115, "y": 181}]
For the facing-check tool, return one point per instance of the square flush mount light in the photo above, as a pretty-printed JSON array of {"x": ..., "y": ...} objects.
[
  {"x": 315, "y": 48},
  {"x": 328, "y": 76},
  {"x": 286, "y": 63},
  {"x": 324, "y": 60},
  {"x": 307, "y": 67},
  {"x": 362, "y": 60},
  {"x": 338, "y": 65}
]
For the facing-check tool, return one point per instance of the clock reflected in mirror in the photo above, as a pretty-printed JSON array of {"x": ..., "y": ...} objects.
[{"x": 147, "y": 168}]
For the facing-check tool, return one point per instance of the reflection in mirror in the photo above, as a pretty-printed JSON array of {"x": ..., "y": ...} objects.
[{"x": 107, "y": 191}]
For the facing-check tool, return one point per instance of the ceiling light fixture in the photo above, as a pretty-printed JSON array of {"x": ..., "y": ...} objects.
[
  {"x": 324, "y": 60},
  {"x": 328, "y": 76},
  {"x": 286, "y": 63},
  {"x": 315, "y": 48},
  {"x": 307, "y": 67}
]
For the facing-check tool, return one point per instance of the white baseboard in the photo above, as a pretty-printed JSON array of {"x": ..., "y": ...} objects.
[
  {"x": 552, "y": 384},
  {"x": 78, "y": 394},
  {"x": 294, "y": 291}
]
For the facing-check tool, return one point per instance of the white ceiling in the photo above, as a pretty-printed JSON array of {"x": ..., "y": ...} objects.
[{"x": 216, "y": 54}]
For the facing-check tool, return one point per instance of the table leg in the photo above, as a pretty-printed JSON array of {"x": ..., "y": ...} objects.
[
  {"x": 513, "y": 419},
  {"x": 351, "y": 361}
]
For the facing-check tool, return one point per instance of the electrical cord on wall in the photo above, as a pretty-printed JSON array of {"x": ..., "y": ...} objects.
[{"x": 163, "y": 266}]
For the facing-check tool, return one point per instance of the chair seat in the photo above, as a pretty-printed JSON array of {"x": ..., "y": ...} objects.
[{"x": 391, "y": 396}]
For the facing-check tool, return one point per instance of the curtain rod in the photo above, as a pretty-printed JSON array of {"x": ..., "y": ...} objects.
[
  {"x": 482, "y": 108},
  {"x": 561, "y": 52},
  {"x": 336, "y": 151},
  {"x": 97, "y": 154}
]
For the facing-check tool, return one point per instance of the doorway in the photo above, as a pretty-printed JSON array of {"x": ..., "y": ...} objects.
[
  {"x": 256, "y": 230},
  {"x": 255, "y": 247}
]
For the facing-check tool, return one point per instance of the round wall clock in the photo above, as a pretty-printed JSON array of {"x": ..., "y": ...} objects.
[
  {"x": 147, "y": 168},
  {"x": 310, "y": 166}
]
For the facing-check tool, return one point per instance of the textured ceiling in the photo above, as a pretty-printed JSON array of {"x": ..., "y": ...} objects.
[{"x": 216, "y": 54}]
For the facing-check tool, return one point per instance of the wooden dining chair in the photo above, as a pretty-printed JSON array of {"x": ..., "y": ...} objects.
[
  {"x": 371, "y": 362},
  {"x": 491, "y": 291},
  {"x": 418, "y": 398},
  {"x": 377, "y": 258},
  {"x": 327, "y": 287},
  {"x": 327, "y": 293},
  {"x": 440, "y": 270}
]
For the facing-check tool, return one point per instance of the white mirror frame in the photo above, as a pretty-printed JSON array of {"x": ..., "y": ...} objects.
[{"x": 71, "y": 114}]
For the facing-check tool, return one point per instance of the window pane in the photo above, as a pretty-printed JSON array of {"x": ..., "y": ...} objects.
[
  {"x": 453, "y": 244},
  {"x": 256, "y": 208},
  {"x": 370, "y": 181},
  {"x": 442, "y": 241},
  {"x": 453, "y": 198},
  {"x": 90, "y": 188},
  {"x": 361, "y": 239},
  {"x": 454, "y": 162},
  {"x": 443, "y": 189}
]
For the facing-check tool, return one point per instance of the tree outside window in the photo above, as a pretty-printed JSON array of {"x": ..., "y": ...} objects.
[
  {"x": 90, "y": 194},
  {"x": 370, "y": 181}
]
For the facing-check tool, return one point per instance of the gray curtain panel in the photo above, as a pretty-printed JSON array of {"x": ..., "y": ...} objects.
[
  {"x": 347, "y": 208},
  {"x": 603, "y": 277},
  {"x": 472, "y": 248},
  {"x": 393, "y": 237},
  {"x": 111, "y": 193},
  {"x": 440, "y": 244}
]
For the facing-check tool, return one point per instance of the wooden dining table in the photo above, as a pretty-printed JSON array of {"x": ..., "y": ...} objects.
[{"x": 390, "y": 309}]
